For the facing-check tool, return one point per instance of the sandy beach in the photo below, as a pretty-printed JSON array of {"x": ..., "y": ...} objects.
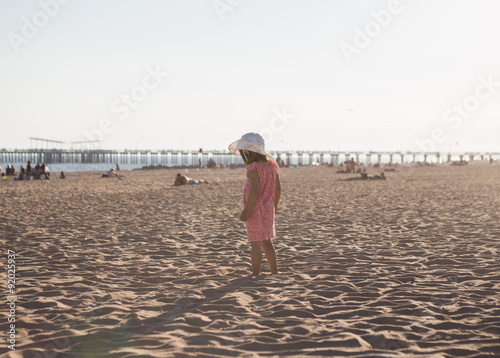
[{"x": 407, "y": 267}]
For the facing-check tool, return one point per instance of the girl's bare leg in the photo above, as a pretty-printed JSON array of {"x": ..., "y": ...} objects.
[
  {"x": 270, "y": 255},
  {"x": 256, "y": 257}
]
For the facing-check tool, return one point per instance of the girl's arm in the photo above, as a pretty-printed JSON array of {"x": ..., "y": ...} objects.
[
  {"x": 277, "y": 193},
  {"x": 252, "y": 197}
]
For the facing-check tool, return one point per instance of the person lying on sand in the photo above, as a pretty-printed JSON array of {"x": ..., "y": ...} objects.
[
  {"x": 185, "y": 180},
  {"x": 365, "y": 176},
  {"x": 111, "y": 174}
]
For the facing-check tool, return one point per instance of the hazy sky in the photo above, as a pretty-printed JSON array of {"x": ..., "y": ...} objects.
[{"x": 308, "y": 74}]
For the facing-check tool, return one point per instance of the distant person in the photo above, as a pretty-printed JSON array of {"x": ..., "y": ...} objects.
[
  {"x": 62, "y": 176},
  {"x": 111, "y": 174},
  {"x": 45, "y": 171},
  {"x": 365, "y": 176},
  {"x": 343, "y": 168},
  {"x": 351, "y": 166},
  {"x": 39, "y": 170},
  {"x": 261, "y": 197},
  {"x": 37, "y": 174},
  {"x": 281, "y": 162},
  {"x": 185, "y": 180},
  {"x": 117, "y": 167},
  {"x": 211, "y": 163},
  {"x": 21, "y": 174},
  {"x": 28, "y": 167},
  {"x": 10, "y": 170}
]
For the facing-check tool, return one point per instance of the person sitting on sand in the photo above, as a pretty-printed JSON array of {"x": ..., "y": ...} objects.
[
  {"x": 185, "y": 180},
  {"x": 10, "y": 170},
  {"x": 37, "y": 173},
  {"x": 45, "y": 171},
  {"x": 23, "y": 174},
  {"x": 62, "y": 176},
  {"x": 211, "y": 163},
  {"x": 281, "y": 162},
  {"x": 40, "y": 170}
]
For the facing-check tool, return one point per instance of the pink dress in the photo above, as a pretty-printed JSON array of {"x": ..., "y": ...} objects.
[{"x": 260, "y": 223}]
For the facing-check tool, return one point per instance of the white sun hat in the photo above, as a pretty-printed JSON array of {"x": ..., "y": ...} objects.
[{"x": 252, "y": 142}]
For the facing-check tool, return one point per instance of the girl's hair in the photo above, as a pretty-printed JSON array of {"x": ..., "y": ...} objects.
[{"x": 252, "y": 157}]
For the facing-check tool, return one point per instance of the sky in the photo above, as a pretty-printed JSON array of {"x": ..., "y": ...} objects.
[{"x": 307, "y": 74}]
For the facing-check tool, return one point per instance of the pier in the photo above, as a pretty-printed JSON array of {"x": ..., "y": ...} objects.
[{"x": 181, "y": 158}]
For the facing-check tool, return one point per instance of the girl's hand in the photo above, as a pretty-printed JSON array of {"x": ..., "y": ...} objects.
[{"x": 244, "y": 215}]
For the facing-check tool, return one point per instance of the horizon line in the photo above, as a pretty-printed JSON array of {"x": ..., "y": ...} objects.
[{"x": 277, "y": 151}]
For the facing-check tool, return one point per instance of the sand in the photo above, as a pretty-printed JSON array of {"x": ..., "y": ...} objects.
[{"x": 407, "y": 267}]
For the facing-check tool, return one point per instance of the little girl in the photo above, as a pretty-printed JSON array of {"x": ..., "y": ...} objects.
[{"x": 261, "y": 196}]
